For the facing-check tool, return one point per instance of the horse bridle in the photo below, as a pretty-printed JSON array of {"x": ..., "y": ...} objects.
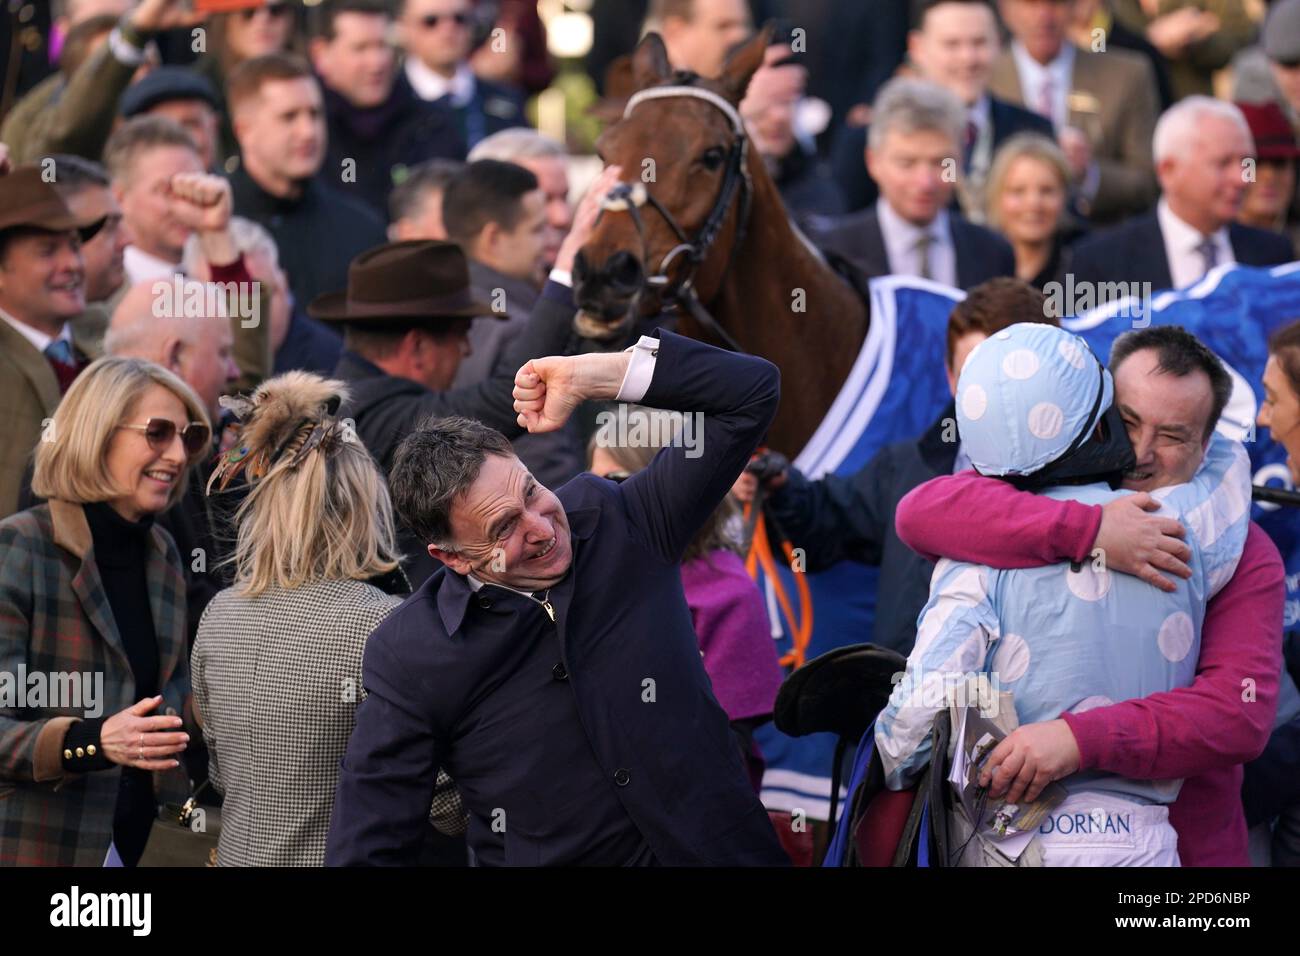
[{"x": 631, "y": 197}]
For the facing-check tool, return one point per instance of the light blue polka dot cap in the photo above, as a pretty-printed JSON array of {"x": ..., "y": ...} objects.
[{"x": 1028, "y": 395}]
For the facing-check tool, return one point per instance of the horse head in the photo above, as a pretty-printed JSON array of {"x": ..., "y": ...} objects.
[{"x": 670, "y": 227}]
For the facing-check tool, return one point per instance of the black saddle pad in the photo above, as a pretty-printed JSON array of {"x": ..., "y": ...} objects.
[{"x": 840, "y": 692}]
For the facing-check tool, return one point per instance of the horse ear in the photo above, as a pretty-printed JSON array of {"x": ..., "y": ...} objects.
[
  {"x": 743, "y": 62},
  {"x": 650, "y": 62}
]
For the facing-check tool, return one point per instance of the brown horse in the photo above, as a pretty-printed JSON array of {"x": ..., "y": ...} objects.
[{"x": 698, "y": 207}]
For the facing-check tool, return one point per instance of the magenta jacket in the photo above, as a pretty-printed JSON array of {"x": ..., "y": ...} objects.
[
  {"x": 735, "y": 636},
  {"x": 1203, "y": 733}
]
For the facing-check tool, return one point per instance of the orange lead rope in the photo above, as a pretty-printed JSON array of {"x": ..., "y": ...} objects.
[{"x": 760, "y": 553}]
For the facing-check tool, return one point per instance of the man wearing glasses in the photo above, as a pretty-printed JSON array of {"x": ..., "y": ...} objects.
[{"x": 438, "y": 36}]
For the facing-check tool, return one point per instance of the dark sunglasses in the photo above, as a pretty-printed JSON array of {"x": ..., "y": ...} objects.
[
  {"x": 159, "y": 432},
  {"x": 272, "y": 10},
  {"x": 431, "y": 21}
]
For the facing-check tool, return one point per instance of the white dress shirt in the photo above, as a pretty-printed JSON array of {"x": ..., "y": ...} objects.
[
  {"x": 142, "y": 266},
  {"x": 1033, "y": 75},
  {"x": 1186, "y": 264},
  {"x": 38, "y": 338},
  {"x": 901, "y": 244},
  {"x": 431, "y": 85}
]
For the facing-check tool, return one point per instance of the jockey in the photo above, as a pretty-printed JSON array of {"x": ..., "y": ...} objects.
[{"x": 1035, "y": 407}]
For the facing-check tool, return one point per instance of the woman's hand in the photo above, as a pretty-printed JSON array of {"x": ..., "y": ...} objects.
[{"x": 131, "y": 739}]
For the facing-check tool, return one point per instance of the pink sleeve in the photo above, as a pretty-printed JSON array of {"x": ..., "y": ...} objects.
[
  {"x": 968, "y": 517},
  {"x": 1226, "y": 715}
]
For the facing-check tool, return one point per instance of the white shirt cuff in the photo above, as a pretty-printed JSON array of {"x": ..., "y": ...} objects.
[
  {"x": 636, "y": 381},
  {"x": 122, "y": 51},
  {"x": 562, "y": 276}
]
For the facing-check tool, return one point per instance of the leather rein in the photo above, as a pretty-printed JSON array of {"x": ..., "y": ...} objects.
[{"x": 632, "y": 197}]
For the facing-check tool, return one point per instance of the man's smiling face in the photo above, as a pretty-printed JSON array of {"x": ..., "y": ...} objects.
[
  {"x": 1166, "y": 418},
  {"x": 509, "y": 529}
]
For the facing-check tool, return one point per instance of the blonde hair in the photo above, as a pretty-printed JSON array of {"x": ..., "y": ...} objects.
[
  {"x": 72, "y": 465},
  {"x": 716, "y": 532},
  {"x": 322, "y": 509},
  {"x": 1022, "y": 145}
]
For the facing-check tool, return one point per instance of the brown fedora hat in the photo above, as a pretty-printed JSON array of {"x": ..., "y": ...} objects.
[
  {"x": 418, "y": 279},
  {"x": 26, "y": 199}
]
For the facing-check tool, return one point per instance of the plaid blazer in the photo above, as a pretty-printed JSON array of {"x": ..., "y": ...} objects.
[
  {"x": 277, "y": 680},
  {"x": 55, "y": 618}
]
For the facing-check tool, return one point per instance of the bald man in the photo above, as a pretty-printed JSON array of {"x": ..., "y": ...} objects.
[{"x": 200, "y": 349}]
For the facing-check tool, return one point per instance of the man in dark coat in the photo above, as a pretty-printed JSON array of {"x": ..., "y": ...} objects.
[
  {"x": 911, "y": 230},
  {"x": 1201, "y": 148},
  {"x": 407, "y": 312},
  {"x": 851, "y": 517},
  {"x": 378, "y": 127},
  {"x": 282, "y": 183},
  {"x": 552, "y": 666},
  {"x": 438, "y": 38}
]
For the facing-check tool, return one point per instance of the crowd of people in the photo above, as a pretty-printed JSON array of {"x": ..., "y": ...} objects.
[{"x": 302, "y": 456}]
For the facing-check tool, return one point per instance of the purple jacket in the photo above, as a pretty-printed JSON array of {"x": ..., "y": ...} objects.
[{"x": 735, "y": 637}]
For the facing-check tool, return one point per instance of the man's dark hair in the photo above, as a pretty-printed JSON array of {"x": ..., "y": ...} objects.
[
  {"x": 379, "y": 341},
  {"x": 324, "y": 16},
  {"x": 1178, "y": 353},
  {"x": 1284, "y": 345},
  {"x": 435, "y": 465},
  {"x": 992, "y": 306},
  {"x": 73, "y": 174},
  {"x": 483, "y": 192},
  {"x": 407, "y": 195},
  {"x": 247, "y": 79}
]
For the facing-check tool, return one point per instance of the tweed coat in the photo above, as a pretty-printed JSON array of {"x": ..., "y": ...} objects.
[
  {"x": 277, "y": 681},
  {"x": 55, "y": 618}
]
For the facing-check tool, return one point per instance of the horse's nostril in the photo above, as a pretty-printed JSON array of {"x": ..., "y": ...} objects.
[
  {"x": 579, "y": 266},
  {"x": 624, "y": 270}
]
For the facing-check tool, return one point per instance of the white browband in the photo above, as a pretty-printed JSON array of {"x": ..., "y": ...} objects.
[{"x": 666, "y": 92}]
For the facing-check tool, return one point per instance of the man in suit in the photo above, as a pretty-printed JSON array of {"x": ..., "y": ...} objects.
[
  {"x": 1201, "y": 149},
  {"x": 954, "y": 45},
  {"x": 375, "y": 119},
  {"x": 496, "y": 212},
  {"x": 42, "y": 287},
  {"x": 575, "y": 713},
  {"x": 437, "y": 36},
  {"x": 1103, "y": 106},
  {"x": 910, "y": 229}
]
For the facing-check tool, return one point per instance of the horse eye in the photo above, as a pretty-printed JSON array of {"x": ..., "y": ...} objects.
[{"x": 712, "y": 157}]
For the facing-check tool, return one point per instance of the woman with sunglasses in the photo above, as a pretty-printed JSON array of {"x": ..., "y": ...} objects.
[{"x": 92, "y": 621}]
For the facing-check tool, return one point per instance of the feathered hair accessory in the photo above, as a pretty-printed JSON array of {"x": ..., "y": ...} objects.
[{"x": 293, "y": 414}]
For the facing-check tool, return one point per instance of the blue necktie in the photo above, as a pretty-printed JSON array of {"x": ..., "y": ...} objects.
[{"x": 60, "y": 351}]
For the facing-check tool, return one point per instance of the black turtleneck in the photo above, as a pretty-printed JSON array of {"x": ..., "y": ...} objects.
[{"x": 121, "y": 550}]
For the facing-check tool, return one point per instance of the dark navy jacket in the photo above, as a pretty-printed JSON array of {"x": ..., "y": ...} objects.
[
  {"x": 469, "y": 681},
  {"x": 851, "y": 518},
  {"x": 1135, "y": 252}
]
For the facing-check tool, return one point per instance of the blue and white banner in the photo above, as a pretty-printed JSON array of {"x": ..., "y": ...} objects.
[{"x": 897, "y": 389}]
